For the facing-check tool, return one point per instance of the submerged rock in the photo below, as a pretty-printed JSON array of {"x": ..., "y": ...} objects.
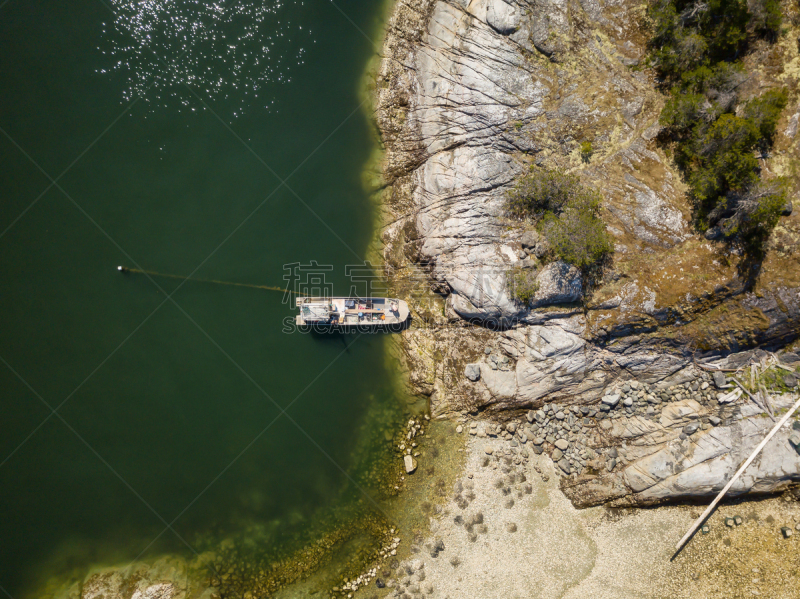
[{"x": 166, "y": 578}]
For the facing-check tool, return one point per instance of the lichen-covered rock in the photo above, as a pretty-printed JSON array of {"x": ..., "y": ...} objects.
[{"x": 464, "y": 107}]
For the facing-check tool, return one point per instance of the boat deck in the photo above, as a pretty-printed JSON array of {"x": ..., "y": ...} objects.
[{"x": 348, "y": 311}]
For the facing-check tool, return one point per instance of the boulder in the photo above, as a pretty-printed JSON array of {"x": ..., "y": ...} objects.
[
  {"x": 501, "y": 384},
  {"x": 502, "y": 17},
  {"x": 529, "y": 240},
  {"x": 559, "y": 283},
  {"x": 410, "y": 463},
  {"x": 719, "y": 379},
  {"x": 790, "y": 358},
  {"x": 611, "y": 400},
  {"x": 541, "y": 249},
  {"x": 691, "y": 428},
  {"x": 472, "y": 372}
]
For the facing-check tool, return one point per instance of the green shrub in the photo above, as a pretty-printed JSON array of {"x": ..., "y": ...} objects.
[
  {"x": 586, "y": 151},
  {"x": 688, "y": 34},
  {"x": 754, "y": 211},
  {"x": 723, "y": 159},
  {"x": 682, "y": 111},
  {"x": 722, "y": 77},
  {"x": 521, "y": 284},
  {"x": 565, "y": 212},
  {"x": 765, "y": 214},
  {"x": 765, "y": 111},
  {"x": 577, "y": 236},
  {"x": 766, "y": 17},
  {"x": 540, "y": 191}
]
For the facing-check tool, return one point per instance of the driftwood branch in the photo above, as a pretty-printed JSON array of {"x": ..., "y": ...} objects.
[
  {"x": 767, "y": 401},
  {"x": 714, "y": 368},
  {"x": 755, "y": 401}
]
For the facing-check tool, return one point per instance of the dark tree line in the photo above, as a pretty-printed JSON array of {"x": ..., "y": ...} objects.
[{"x": 716, "y": 133}]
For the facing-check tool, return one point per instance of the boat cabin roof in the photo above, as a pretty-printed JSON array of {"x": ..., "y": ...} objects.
[{"x": 315, "y": 310}]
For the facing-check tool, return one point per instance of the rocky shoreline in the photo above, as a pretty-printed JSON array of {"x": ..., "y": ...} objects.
[
  {"x": 470, "y": 93},
  {"x": 646, "y": 444},
  {"x": 506, "y": 529}
]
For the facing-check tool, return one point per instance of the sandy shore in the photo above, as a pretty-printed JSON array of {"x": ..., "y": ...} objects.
[{"x": 507, "y": 531}]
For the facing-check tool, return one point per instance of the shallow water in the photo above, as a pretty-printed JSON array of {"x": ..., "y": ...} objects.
[{"x": 170, "y": 413}]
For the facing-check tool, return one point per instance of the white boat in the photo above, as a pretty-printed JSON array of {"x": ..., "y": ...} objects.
[{"x": 351, "y": 311}]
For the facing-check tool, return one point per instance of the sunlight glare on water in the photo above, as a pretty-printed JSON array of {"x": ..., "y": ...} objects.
[{"x": 229, "y": 49}]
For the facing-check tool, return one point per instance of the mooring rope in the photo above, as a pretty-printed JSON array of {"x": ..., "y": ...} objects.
[{"x": 154, "y": 273}]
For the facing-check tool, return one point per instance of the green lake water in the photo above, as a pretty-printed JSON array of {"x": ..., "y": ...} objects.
[{"x": 171, "y": 412}]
